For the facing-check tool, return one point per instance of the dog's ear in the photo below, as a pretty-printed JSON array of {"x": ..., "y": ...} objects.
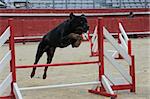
[
  {"x": 82, "y": 15},
  {"x": 72, "y": 15}
]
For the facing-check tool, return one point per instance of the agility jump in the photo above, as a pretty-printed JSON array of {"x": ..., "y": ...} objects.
[
  {"x": 128, "y": 77},
  {"x": 9, "y": 57},
  {"x": 105, "y": 84},
  {"x": 122, "y": 37}
]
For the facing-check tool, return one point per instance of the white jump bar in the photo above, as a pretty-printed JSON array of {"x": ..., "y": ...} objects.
[
  {"x": 106, "y": 85},
  {"x": 60, "y": 86},
  {"x": 123, "y": 43},
  {"x": 4, "y": 37},
  {"x": 95, "y": 45},
  {"x": 118, "y": 66},
  {"x": 17, "y": 91},
  {"x": 94, "y": 34},
  {"x": 4, "y": 60},
  {"x": 123, "y": 33},
  {"x": 5, "y": 83},
  {"x": 114, "y": 43}
]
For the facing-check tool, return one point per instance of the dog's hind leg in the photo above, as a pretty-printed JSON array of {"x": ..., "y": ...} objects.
[
  {"x": 39, "y": 53},
  {"x": 50, "y": 53}
]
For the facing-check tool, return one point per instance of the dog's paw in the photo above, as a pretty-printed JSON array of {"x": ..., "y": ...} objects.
[
  {"x": 44, "y": 76},
  {"x": 77, "y": 43},
  {"x": 32, "y": 74}
]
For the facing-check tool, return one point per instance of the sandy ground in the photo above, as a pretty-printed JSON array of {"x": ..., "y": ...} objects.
[{"x": 59, "y": 75}]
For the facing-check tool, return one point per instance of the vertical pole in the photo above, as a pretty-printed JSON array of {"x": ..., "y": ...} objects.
[
  {"x": 100, "y": 47},
  {"x": 133, "y": 74},
  {"x": 90, "y": 40},
  {"x": 91, "y": 44},
  {"x": 132, "y": 67},
  {"x": 11, "y": 47},
  {"x": 119, "y": 42},
  {"x": 129, "y": 47},
  {"x": 129, "y": 52}
]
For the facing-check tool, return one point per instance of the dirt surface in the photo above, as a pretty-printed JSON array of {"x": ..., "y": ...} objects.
[{"x": 81, "y": 73}]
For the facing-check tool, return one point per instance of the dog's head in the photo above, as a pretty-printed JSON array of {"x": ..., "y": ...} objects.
[{"x": 78, "y": 24}]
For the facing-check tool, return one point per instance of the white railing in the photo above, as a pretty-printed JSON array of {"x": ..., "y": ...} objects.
[
  {"x": 60, "y": 85},
  {"x": 17, "y": 91},
  {"x": 4, "y": 37},
  {"x": 5, "y": 60},
  {"x": 106, "y": 85},
  {"x": 123, "y": 33},
  {"x": 121, "y": 51},
  {"x": 7, "y": 82},
  {"x": 114, "y": 43}
]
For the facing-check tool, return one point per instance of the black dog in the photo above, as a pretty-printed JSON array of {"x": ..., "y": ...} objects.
[{"x": 67, "y": 33}]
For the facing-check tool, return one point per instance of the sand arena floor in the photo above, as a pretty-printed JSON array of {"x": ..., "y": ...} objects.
[{"x": 59, "y": 75}]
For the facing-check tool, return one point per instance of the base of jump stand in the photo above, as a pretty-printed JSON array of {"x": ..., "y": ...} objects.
[
  {"x": 7, "y": 97},
  {"x": 103, "y": 93},
  {"x": 94, "y": 54}
]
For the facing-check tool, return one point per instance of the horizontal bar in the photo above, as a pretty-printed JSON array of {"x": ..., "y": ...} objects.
[
  {"x": 66, "y": 14},
  {"x": 17, "y": 91},
  {"x": 122, "y": 87},
  {"x": 57, "y": 64},
  {"x": 29, "y": 37},
  {"x": 4, "y": 60},
  {"x": 132, "y": 33},
  {"x": 60, "y": 86},
  {"x": 7, "y": 81},
  {"x": 5, "y": 36}
]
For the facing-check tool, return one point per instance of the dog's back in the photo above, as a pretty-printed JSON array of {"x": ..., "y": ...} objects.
[{"x": 54, "y": 36}]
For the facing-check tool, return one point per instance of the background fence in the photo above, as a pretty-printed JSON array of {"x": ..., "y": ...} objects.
[{"x": 76, "y": 4}]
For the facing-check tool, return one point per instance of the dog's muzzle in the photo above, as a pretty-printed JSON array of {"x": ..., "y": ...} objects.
[{"x": 85, "y": 29}]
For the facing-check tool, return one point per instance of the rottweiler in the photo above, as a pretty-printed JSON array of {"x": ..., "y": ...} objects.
[{"x": 65, "y": 34}]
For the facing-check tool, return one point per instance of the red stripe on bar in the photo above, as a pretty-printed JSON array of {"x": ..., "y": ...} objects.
[
  {"x": 57, "y": 64},
  {"x": 122, "y": 87}
]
